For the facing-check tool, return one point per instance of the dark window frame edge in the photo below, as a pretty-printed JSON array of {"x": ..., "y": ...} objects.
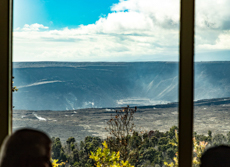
[
  {"x": 5, "y": 68},
  {"x": 186, "y": 82}
]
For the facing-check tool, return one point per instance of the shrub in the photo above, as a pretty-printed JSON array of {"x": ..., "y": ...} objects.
[{"x": 105, "y": 158}]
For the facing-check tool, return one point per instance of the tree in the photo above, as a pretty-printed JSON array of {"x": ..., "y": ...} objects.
[
  {"x": 56, "y": 148},
  {"x": 210, "y": 133},
  {"x": 150, "y": 154},
  {"x": 82, "y": 145},
  {"x": 170, "y": 152},
  {"x": 120, "y": 127},
  {"x": 70, "y": 143},
  {"x": 75, "y": 155},
  {"x": 135, "y": 141},
  {"x": 172, "y": 132},
  {"x": 219, "y": 139},
  {"x": 153, "y": 141},
  {"x": 163, "y": 141},
  {"x": 70, "y": 140}
]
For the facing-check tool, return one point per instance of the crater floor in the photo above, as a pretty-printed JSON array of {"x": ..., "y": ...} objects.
[{"x": 85, "y": 122}]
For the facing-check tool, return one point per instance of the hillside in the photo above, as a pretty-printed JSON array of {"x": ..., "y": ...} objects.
[{"x": 76, "y": 85}]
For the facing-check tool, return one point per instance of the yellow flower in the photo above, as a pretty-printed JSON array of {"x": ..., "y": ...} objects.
[
  {"x": 55, "y": 164},
  {"x": 104, "y": 157}
]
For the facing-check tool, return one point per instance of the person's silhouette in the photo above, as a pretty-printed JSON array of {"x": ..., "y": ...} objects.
[
  {"x": 26, "y": 148},
  {"x": 218, "y": 156}
]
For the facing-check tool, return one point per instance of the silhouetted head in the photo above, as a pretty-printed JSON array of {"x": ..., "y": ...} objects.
[
  {"x": 26, "y": 148},
  {"x": 218, "y": 156}
]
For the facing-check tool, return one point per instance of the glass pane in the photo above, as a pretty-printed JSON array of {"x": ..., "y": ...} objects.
[
  {"x": 95, "y": 71},
  {"x": 212, "y": 94}
]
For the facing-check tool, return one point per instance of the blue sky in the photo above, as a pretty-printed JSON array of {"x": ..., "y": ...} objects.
[
  {"x": 59, "y": 13},
  {"x": 116, "y": 30}
]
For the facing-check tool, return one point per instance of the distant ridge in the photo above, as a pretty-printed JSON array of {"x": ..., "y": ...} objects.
[
  {"x": 81, "y": 64},
  {"x": 75, "y": 64},
  {"x": 203, "y": 102}
]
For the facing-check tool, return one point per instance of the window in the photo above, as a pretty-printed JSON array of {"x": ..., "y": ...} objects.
[
  {"x": 212, "y": 50},
  {"x": 186, "y": 77}
]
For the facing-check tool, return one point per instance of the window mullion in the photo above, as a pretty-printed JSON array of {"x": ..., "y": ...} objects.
[
  {"x": 186, "y": 83},
  {"x": 5, "y": 68}
]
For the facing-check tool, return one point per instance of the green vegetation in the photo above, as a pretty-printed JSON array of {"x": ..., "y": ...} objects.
[
  {"x": 154, "y": 148},
  {"x": 125, "y": 146},
  {"x": 107, "y": 158}
]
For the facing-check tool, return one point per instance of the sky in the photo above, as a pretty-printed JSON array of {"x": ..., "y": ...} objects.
[{"x": 116, "y": 30}]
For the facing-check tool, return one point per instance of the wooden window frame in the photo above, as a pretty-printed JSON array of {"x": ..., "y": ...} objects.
[
  {"x": 185, "y": 81},
  {"x": 5, "y": 68}
]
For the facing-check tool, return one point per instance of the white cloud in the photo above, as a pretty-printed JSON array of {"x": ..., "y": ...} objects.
[
  {"x": 158, "y": 11},
  {"x": 212, "y": 25},
  {"x": 212, "y": 14},
  {"x": 134, "y": 30},
  {"x": 221, "y": 43},
  {"x": 33, "y": 27}
]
